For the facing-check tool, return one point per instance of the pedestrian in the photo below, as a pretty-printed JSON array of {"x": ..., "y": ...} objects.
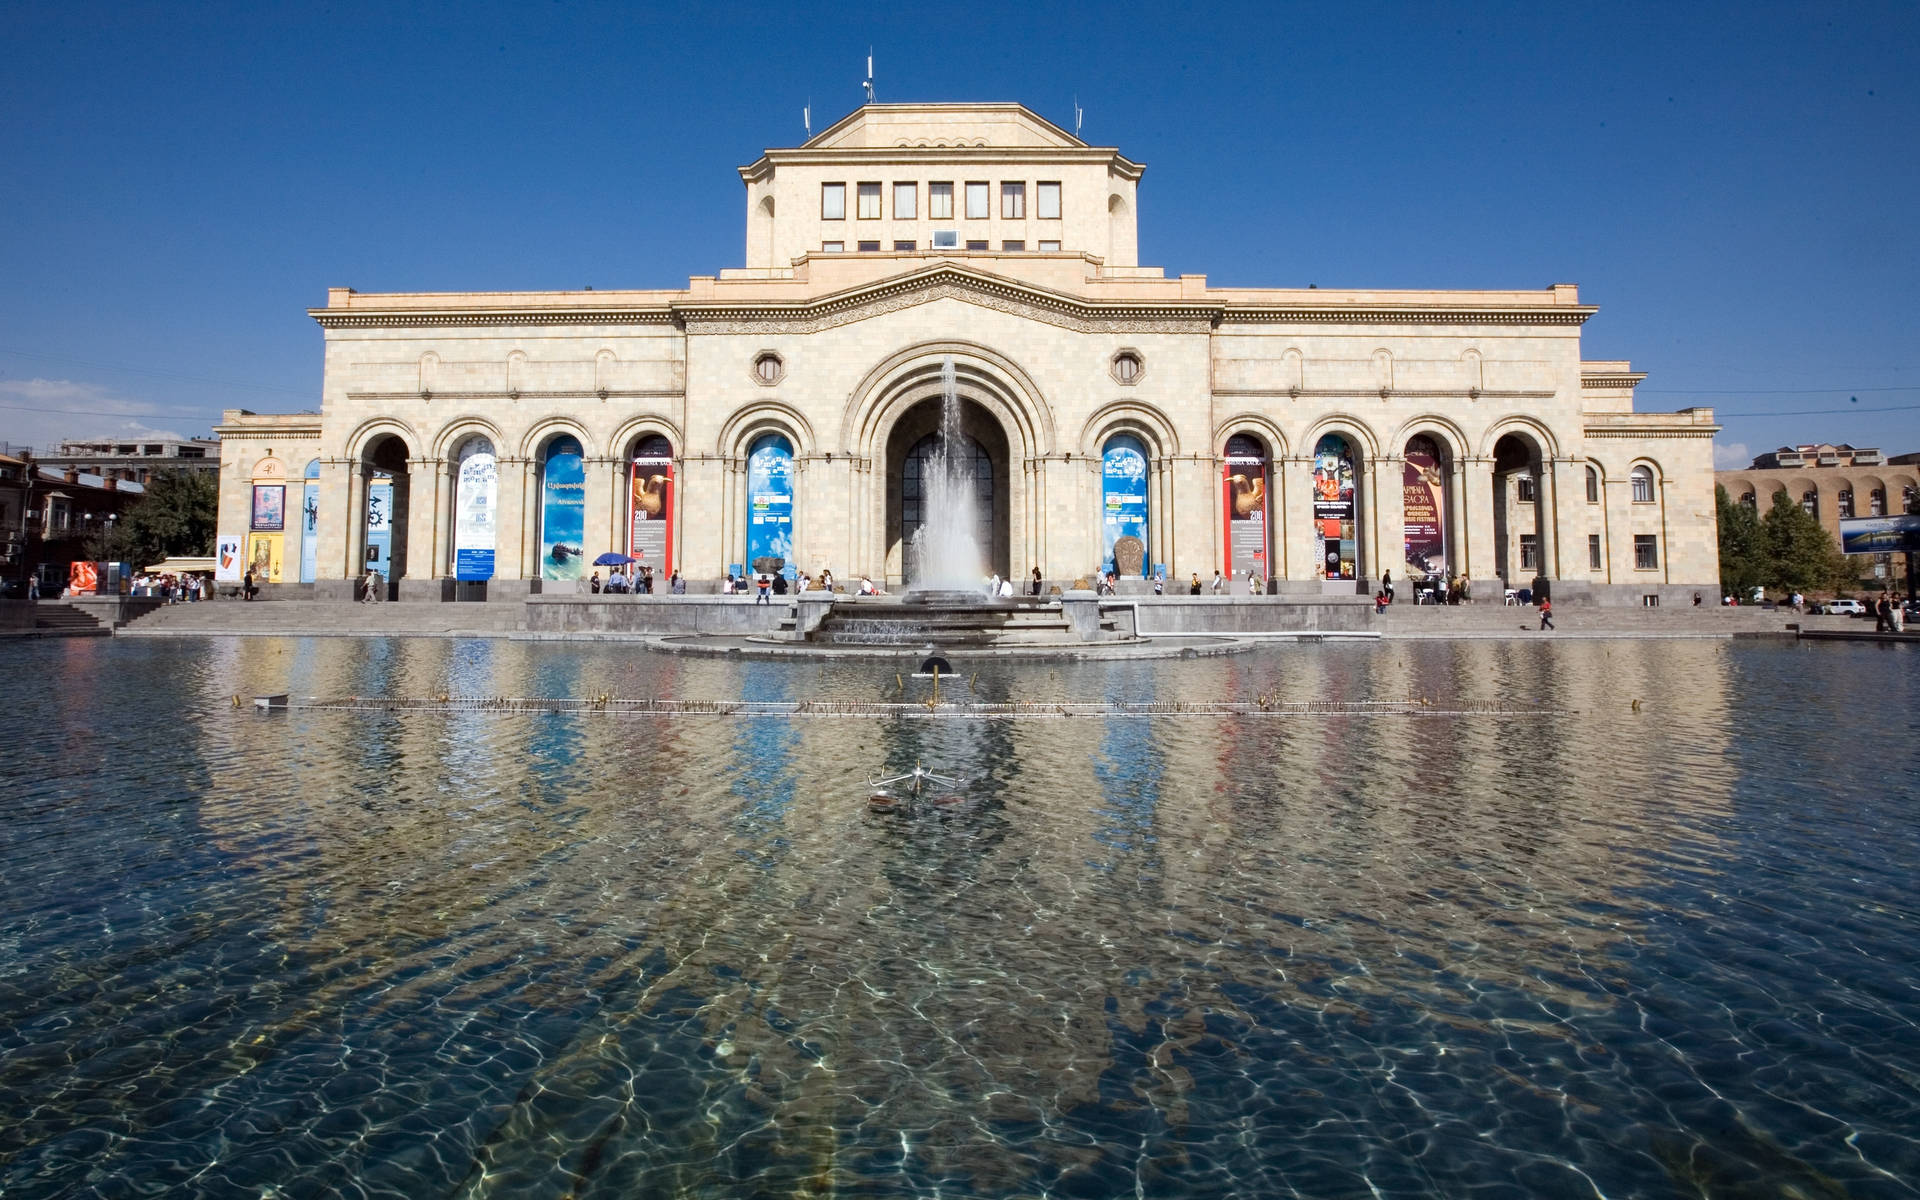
[
  {"x": 1036, "y": 581},
  {"x": 679, "y": 586},
  {"x": 765, "y": 585},
  {"x": 1193, "y": 589},
  {"x": 246, "y": 585},
  {"x": 1006, "y": 588},
  {"x": 33, "y": 587},
  {"x": 826, "y": 580},
  {"x": 1253, "y": 587},
  {"x": 1386, "y": 584},
  {"x": 1546, "y": 613},
  {"x": 1219, "y": 582},
  {"x": 780, "y": 583},
  {"x": 1466, "y": 589},
  {"x": 1380, "y": 602},
  {"x": 1159, "y": 584},
  {"x": 1882, "y": 620}
]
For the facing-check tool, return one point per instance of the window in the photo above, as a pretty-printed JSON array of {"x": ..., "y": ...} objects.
[
  {"x": 976, "y": 202},
  {"x": 1013, "y": 245},
  {"x": 1049, "y": 247},
  {"x": 1844, "y": 502},
  {"x": 1751, "y": 501},
  {"x": 869, "y": 201},
  {"x": 976, "y": 245},
  {"x": 940, "y": 201},
  {"x": 1877, "y": 502},
  {"x": 833, "y": 202},
  {"x": 869, "y": 247},
  {"x": 1013, "y": 201},
  {"x": 149, "y": 449},
  {"x": 1593, "y": 486},
  {"x": 906, "y": 201},
  {"x": 833, "y": 247},
  {"x": 1529, "y": 552},
  {"x": 1126, "y": 367},
  {"x": 1593, "y": 551},
  {"x": 768, "y": 368},
  {"x": 1046, "y": 201},
  {"x": 1523, "y": 489},
  {"x": 1810, "y": 502},
  {"x": 907, "y": 246},
  {"x": 1646, "y": 552},
  {"x": 946, "y": 239},
  {"x": 1642, "y": 485},
  {"x": 1910, "y": 498}
]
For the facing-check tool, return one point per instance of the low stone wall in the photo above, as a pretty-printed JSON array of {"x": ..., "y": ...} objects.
[
  {"x": 1230, "y": 615},
  {"x": 115, "y": 611},
  {"x": 719, "y": 615},
  {"x": 16, "y": 614}
]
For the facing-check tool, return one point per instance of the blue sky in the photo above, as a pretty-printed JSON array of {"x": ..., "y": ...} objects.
[{"x": 1735, "y": 186}]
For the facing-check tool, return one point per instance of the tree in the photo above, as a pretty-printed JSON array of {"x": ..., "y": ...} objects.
[
  {"x": 1800, "y": 554},
  {"x": 176, "y": 515},
  {"x": 1743, "y": 554}
]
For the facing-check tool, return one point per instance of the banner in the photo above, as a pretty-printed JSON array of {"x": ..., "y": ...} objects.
[
  {"x": 770, "y": 507},
  {"x": 263, "y": 557},
  {"x": 563, "y": 510},
  {"x": 1123, "y": 472},
  {"x": 1333, "y": 524},
  {"x": 1880, "y": 535},
  {"x": 83, "y": 578},
  {"x": 650, "y": 515},
  {"x": 380, "y": 527},
  {"x": 227, "y": 564},
  {"x": 270, "y": 506},
  {"x": 476, "y": 500},
  {"x": 1244, "y": 484},
  {"x": 310, "y": 532},
  {"x": 1425, "y": 499}
]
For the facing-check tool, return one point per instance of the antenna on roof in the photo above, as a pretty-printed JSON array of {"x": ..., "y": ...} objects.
[
  {"x": 1079, "y": 115},
  {"x": 806, "y": 118},
  {"x": 869, "y": 83}
]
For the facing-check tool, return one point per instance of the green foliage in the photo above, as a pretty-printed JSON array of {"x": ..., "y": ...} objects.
[
  {"x": 1800, "y": 553},
  {"x": 175, "y": 516},
  {"x": 1743, "y": 553}
]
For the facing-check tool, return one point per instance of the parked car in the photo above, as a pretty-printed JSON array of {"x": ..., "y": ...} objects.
[{"x": 1845, "y": 608}]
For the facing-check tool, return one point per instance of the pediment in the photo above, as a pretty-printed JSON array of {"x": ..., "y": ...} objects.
[{"x": 1000, "y": 126}]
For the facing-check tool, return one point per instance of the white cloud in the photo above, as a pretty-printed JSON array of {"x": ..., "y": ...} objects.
[
  {"x": 41, "y": 413},
  {"x": 1731, "y": 456}
]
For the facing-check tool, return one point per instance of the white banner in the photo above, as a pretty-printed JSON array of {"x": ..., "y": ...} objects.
[
  {"x": 229, "y": 565},
  {"x": 474, "y": 506}
]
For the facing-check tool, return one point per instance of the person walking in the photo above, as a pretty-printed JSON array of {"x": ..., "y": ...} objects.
[
  {"x": 1386, "y": 584},
  {"x": 679, "y": 585},
  {"x": 1546, "y": 613},
  {"x": 246, "y": 585},
  {"x": 1159, "y": 584},
  {"x": 1219, "y": 582},
  {"x": 1253, "y": 585},
  {"x": 1882, "y": 623},
  {"x": 33, "y": 587}
]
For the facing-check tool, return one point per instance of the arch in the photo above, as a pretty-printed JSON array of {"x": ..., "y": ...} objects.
[
  {"x": 459, "y": 428},
  {"x": 368, "y": 434},
  {"x": 1429, "y": 531},
  {"x": 1143, "y": 421},
  {"x": 533, "y": 442},
  {"x": 1529, "y": 427},
  {"x": 1596, "y": 480},
  {"x": 1253, "y": 423},
  {"x": 1475, "y": 370},
  {"x": 429, "y": 372},
  {"x": 1644, "y": 479},
  {"x": 1345, "y": 424},
  {"x": 313, "y": 469},
  {"x": 635, "y": 427},
  {"x": 1126, "y": 502},
  {"x": 904, "y": 378},
  {"x": 1337, "y": 470},
  {"x": 1433, "y": 425},
  {"x": 749, "y": 421}
]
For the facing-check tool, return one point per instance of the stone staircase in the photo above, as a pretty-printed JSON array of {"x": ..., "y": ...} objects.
[
  {"x": 54, "y": 619},
  {"x": 947, "y": 623},
  {"x": 327, "y": 618}
]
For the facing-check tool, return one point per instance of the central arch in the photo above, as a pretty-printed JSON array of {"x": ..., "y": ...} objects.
[{"x": 983, "y": 451}]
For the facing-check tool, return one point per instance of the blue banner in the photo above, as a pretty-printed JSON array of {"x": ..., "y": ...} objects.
[
  {"x": 1123, "y": 472},
  {"x": 770, "y": 507},
  {"x": 563, "y": 512},
  {"x": 1880, "y": 535},
  {"x": 310, "y": 532}
]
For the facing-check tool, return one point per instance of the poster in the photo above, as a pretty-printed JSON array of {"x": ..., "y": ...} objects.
[
  {"x": 270, "y": 506},
  {"x": 650, "y": 514},
  {"x": 380, "y": 526},
  {"x": 83, "y": 578},
  {"x": 476, "y": 501},
  {"x": 1880, "y": 535},
  {"x": 1123, "y": 472},
  {"x": 563, "y": 510},
  {"x": 1425, "y": 501},
  {"x": 310, "y": 532},
  {"x": 1333, "y": 519},
  {"x": 770, "y": 506},
  {"x": 1244, "y": 483},
  {"x": 227, "y": 565},
  {"x": 264, "y": 557}
]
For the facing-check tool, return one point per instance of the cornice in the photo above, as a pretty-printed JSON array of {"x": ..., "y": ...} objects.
[
  {"x": 1629, "y": 381},
  {"x": 1651, "y": 431},
  {"x": 1409, "y": 314},
  {"x": 528, "y": 394},
  {"x": 1391, "y": 393},
  {"x": 408, "y": 318}
]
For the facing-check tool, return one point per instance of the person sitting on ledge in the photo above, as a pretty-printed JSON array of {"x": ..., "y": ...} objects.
[
  {"x": 679, "y": 585},
  {"x": 869, "y": 588}
]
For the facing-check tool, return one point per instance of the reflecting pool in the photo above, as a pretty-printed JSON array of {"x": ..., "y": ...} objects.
[{"x": 1664, "y": 951}]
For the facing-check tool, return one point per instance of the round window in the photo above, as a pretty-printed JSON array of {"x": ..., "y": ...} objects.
[
  {"x": 1126, "y": 367},
  {"x": 768, "y": 368}
]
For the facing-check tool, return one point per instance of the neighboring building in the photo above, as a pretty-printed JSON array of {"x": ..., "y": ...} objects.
[
  {"x": 782, "y": 414},
  {"x": 1833, "y": 482},
  {"x": 46, "y": 517},
  {"x": 134, "y": 460}
]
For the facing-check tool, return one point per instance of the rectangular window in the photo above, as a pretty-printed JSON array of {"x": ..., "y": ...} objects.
[
  {"x": 1593, "y": 551},
  {"x": 1529, "y": 552},
  {"x": 1049, "y": 247},
  {"x": 1646, "y": 552},
  {"x": 976, "y": 245},
  {"x": 1013, "y": 245},
  {"x": 908, "y": 246},
  {"x": 869, "y": 202},
  {"x": 906, "y": 201},
  {"x": 869, "y": 247},
  {"x": 1013, "y": 201},
  {"x": 833, "y": 202},
  {"x": 833, "y": 247},
  {"x": 946, "y": 239},
  {"x": 977, "y": 202},
  {"x": 1523, "y": 489},
  {"x": 940, "y": 201},
  {"x": 1593, "y": 486},
  {"x": 1046, "y": 201}
]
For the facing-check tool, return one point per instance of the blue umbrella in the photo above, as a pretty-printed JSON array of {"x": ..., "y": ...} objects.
[{"x": 610, "y": 559}]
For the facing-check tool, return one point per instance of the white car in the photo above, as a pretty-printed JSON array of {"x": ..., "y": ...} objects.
[{"x": 1845, "y": 608}]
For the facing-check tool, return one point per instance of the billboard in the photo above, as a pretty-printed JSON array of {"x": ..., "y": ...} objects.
[
  {"x": 1425, "y": 499},
  {"x": 770, "y": 506},
  {"x": 380, "y": 525},
  {"x": 1333, "y": 521},
  {"x": 563, "y": 510},
  {"x": 475, "y": 501},
  {"x": 227, "y": 564},
  {"x": 269, "y": 507},
  {"x": 650, "y": 508},
  {"x": 1243, "y": 486},
  {"x": 1880, "y": 535},
  {"x": 1123, "y": 472},
  {"x": 310, "y": 533}
]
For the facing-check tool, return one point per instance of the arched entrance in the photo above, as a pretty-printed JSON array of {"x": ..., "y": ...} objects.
[
  {"x": 476, "y": 504},
  {"x": 384, "y": 520},
  {"x": 1336, "y": 525},
  {"x": 1519, "y": 549},
  {"x": 1246, "y": 483},
  {"x": 910, "y": 446},
  {"x": 650, "y": 499},
  {"x": 1426, "y": 503},
  {"x": 1126, "y": 513}
]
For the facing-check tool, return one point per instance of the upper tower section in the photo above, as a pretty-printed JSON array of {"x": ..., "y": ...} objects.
[{"x": 942, "y": 179}]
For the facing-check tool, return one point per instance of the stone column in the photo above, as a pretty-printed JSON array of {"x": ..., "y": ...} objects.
[
  {"x": 359, "y": 475},
  {"x": 1457, "y": 538},
  {"x": 509, "y": 541},
  {"x": 1547, "y": 522},
  {"x": 1478, "y": 489},
  {"x": 426, "y": 488},
  {"x": 597, "y": 521},
  {"x": 333, "y": 557},
  {"x": 1390, "y": 552},
  {"x": 1293, "y": 488}
]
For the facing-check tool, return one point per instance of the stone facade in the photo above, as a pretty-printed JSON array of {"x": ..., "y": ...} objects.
[{"x": 1055, "y": 354}]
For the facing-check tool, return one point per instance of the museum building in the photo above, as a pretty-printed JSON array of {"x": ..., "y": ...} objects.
[{"x": 780, "y": 415}]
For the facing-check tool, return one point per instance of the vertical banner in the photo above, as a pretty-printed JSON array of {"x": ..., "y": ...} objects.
[
  {"x": 269, "y": 507},
  {"x": 380, "y": 526},
  {"x": 264, "y": 557},
  {"x": 1123, "y": 474},
  {"x": 1333, "y": 527},
  {"x": 83, "y": 578},
  {"x": 476, "y": 498},
  {"x": 563, "y": 511},
  {"x": 650, "y": 507},
  {"x": 1244, "y": 484},
  {"x": 227, "y": 565},
  {"x": 310, "y": 529},
  {"x": 1425, "y": 499},
  {"x": 770, "y": 506}
]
